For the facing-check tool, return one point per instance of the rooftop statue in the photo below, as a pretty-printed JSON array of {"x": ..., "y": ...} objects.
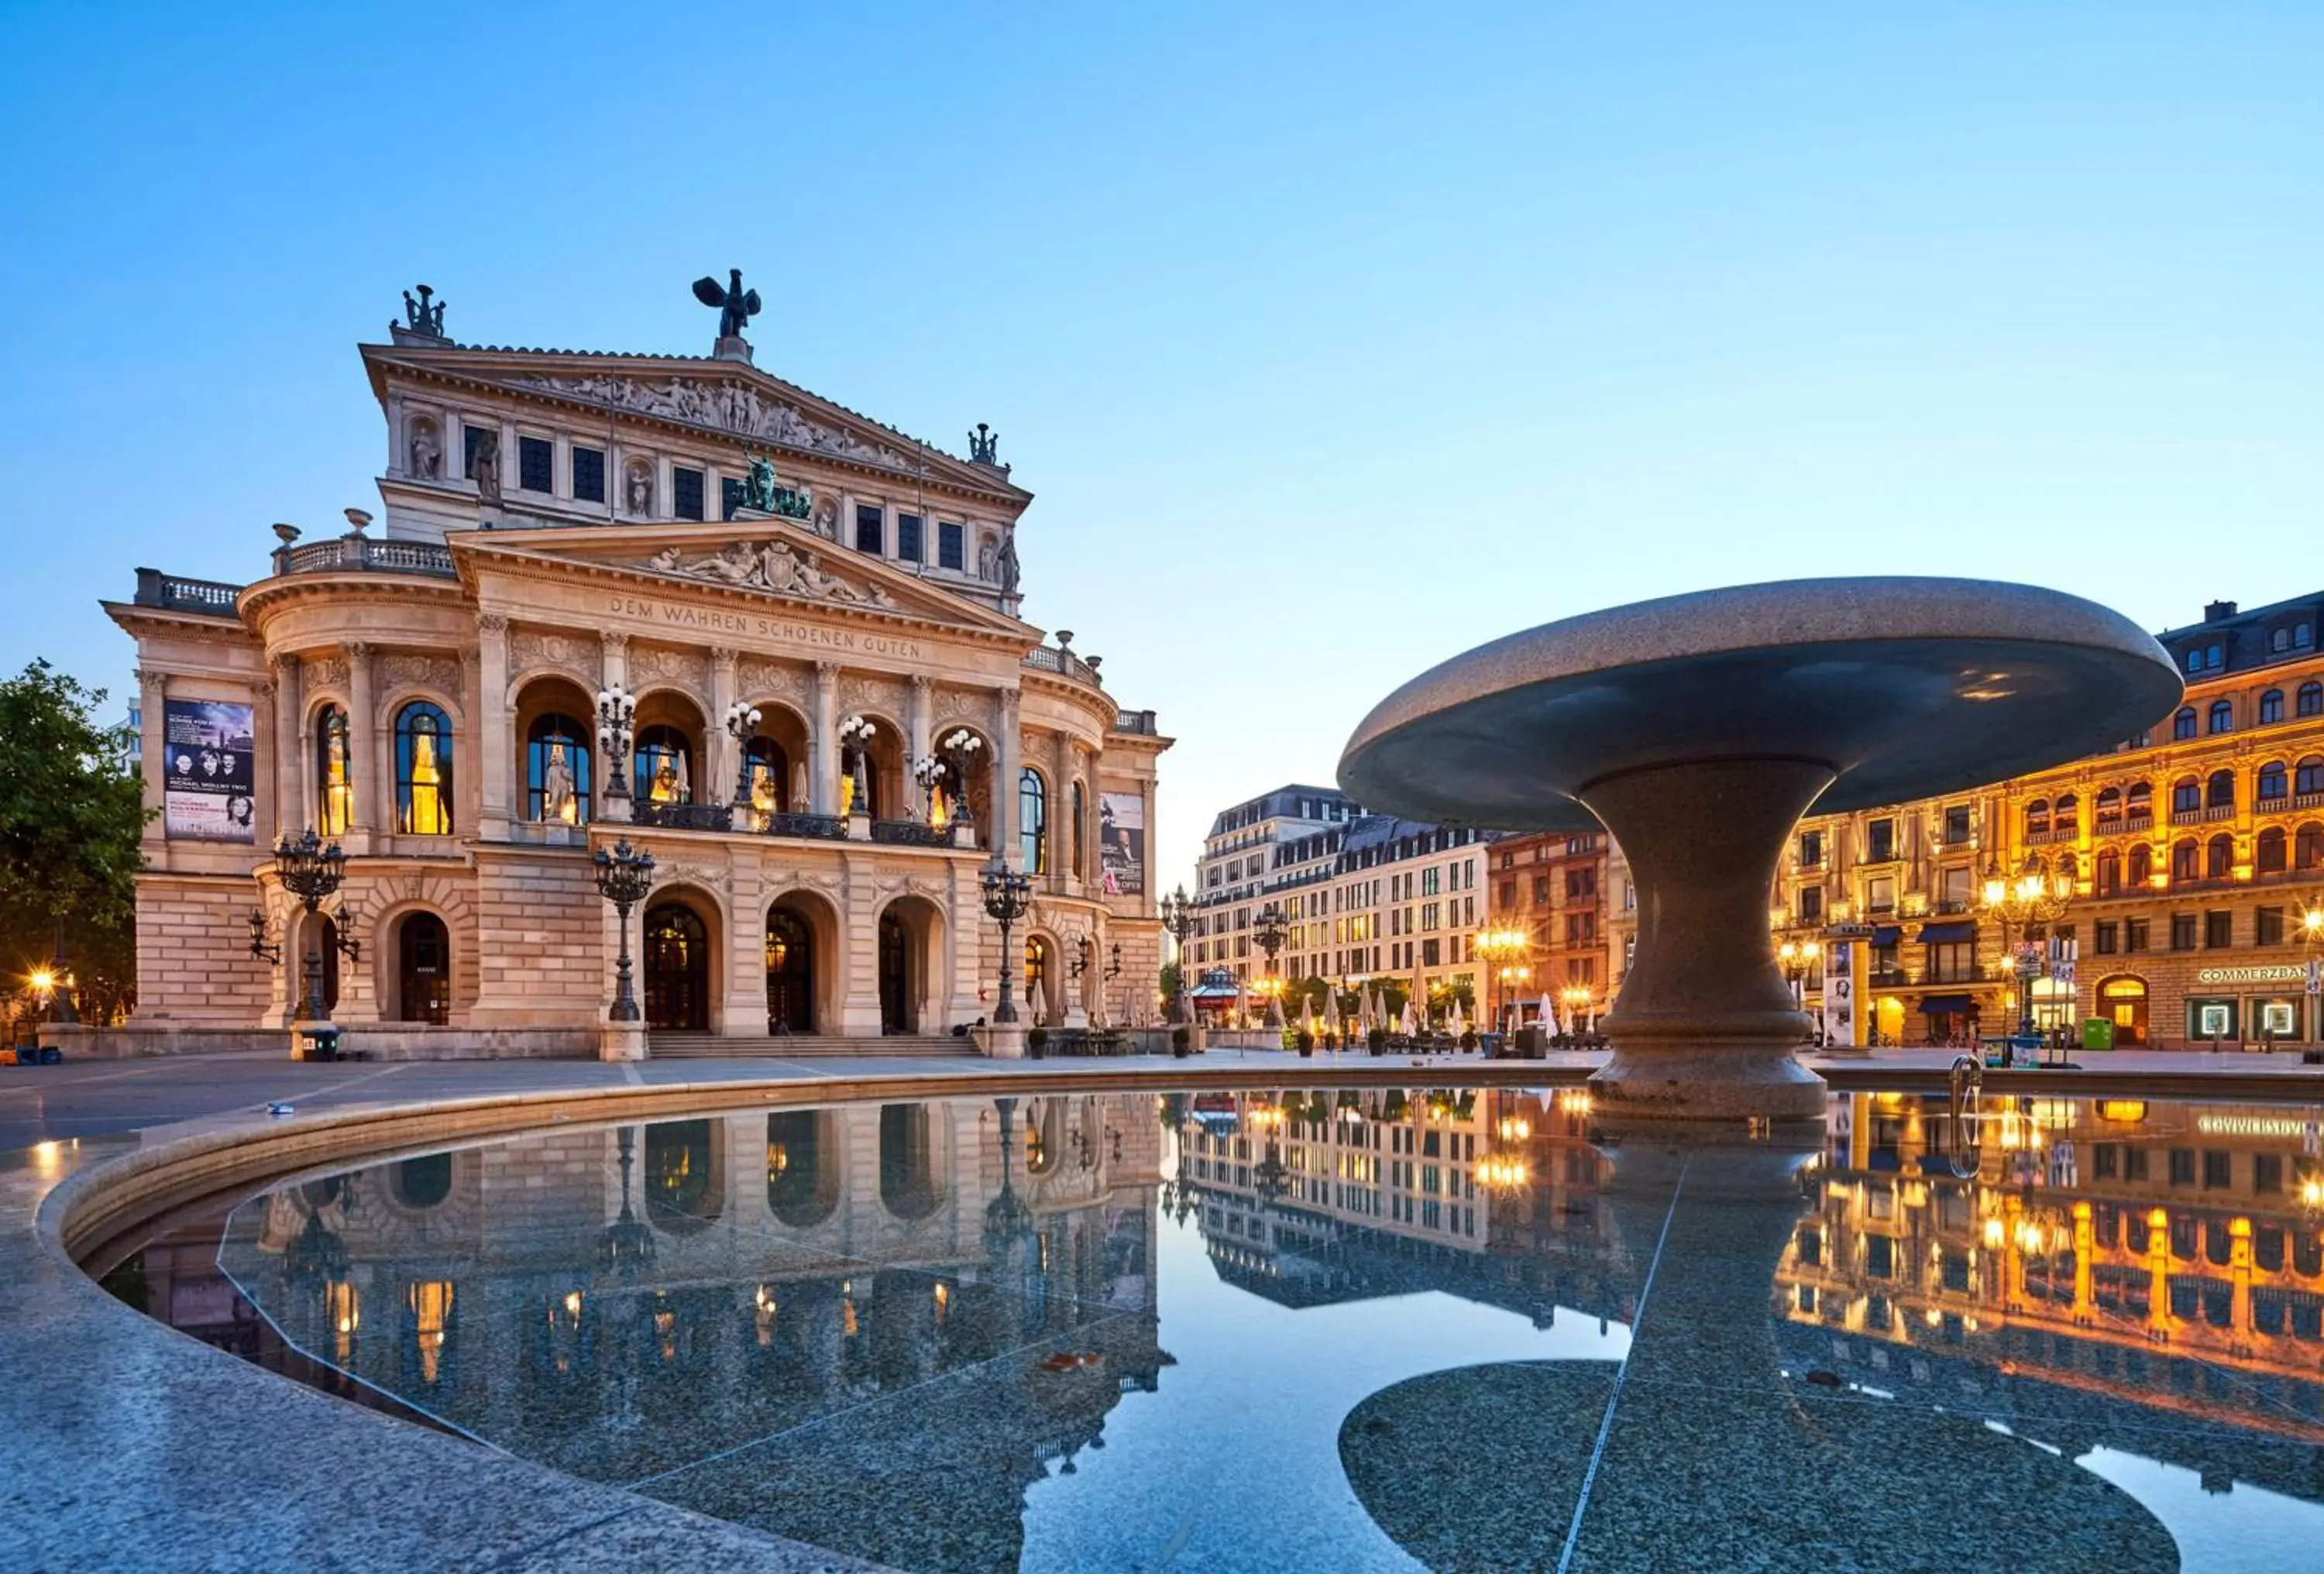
[
  {"x": 759, "y": 483},
  {"x": 984, "y": 445},
  {"x": 736, "y": 306}
]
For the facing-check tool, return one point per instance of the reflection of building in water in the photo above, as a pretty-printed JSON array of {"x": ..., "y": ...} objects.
[
  {"x": 2164, "y": 1255},
  {"x": 611, "y": 1301},
  {"x": 1314, "y": 1198}
]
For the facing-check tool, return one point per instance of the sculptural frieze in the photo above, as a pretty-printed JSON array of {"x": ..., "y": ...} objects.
[
  {"x": 437, "y": 672},
  {"x": 726, "y": 405},
  {"x": 660, "y": 664},
  {"x": 770, "y": 565}
]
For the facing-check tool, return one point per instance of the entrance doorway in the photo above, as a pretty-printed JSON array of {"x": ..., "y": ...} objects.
[
  {"x": 2123, "y": 1002},
  {"x": 331, "y": 965},
  {"x": 790, "y": 972},
  {"x": 895, "y": 976},
  {"x": 678, "y": 970},
  {"x": 423, "y": 951}
]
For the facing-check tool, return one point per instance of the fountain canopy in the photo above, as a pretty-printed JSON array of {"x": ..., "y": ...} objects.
[{"x": 1901, "y": 688}]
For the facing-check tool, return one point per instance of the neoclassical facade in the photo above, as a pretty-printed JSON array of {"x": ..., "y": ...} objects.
[{"x": 669, "y": 600}]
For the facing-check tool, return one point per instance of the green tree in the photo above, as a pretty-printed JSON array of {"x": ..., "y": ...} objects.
[
  {"x": 1170, "y": 983},
  {"x": 71, "y": 815}
]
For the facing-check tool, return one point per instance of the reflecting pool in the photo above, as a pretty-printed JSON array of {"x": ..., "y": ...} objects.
[{"x": 1380, "y": 1329}]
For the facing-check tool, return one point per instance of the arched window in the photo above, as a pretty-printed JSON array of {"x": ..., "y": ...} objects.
[
  {"x": 2221, "y": 792},
  {"x": 769, "y": 770},
  {"x": 2068, "y": 866},
  {"x": 2109, "y": 872},
  {"x": 2220, "y": 858},
  {"x": 2312, "y": 700},
  {"x": 1077, "y": 865},
  {"x": 2275, "y": 781},
  {"x": 664, "y": 766},
  {"x": 2222, "y": 716},
  {"x": 1033, "y": 820},
  {"x": 2109, "y": 806},
  {"x": 2182, "y": 725},
  {"x": 2186, "y": 795},
  {"x": 2068, "y": 816},
  {"x": 334, "y": 795},
  {"x": 2141, "y": 865},
  {"x": 2272, "y": 855},
  {"x": 2186, "y": 859},
  {"x": 2309, "y": 776},
  {"x": 423, "y": 770},
  {"x": 2139, "y": 800},
  {"x": 2307, "y": 848},
  {"x": 2271, "y": 706},
  {"x": 556, "y": 769},
  {"x": 2037, "y": 817}
]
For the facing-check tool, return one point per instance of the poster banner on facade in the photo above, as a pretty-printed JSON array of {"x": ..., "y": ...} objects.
[
  {"x": 1122, "y": 843},
  {"x": 208, "y": 748},
  {"x": 1839, "y": 994}
]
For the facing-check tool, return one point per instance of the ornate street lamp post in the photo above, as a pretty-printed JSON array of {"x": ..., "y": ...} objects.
[
  {"x": 1498, "y": 949},
  {"x": 2032, "y": 898},
  {"x": 1007, "y": 896},
  {"x": 617, "y": 715},
  {"x": 1178, "y": 920},
  {"x": 742, "y": 725},
  {"x": 1268, "y": 929},
  {"x": 311, "y": 870},
  {"x": 1797, "y": 957},
  {"x": 624, "y": 877},
  {"x": 956, "y": 754}
]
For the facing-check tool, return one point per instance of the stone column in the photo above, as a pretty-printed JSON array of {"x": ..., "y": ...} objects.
[
  {"x": 823, "y": 743},
  {"x": 494, "y": 730},
  {"x": 290, "y": 803},
  {"x": 1065, "y": 867},
  {"x": 723, "y": 753},
  {"x": 152, "y": 724},
  {"x": 917, "y": 708},
  {"x": 859, "y": 977},
  {"x": 371, "y": 770},
  {"x": 1007, "y": 748},
  {"x": 469, "y": 777}
]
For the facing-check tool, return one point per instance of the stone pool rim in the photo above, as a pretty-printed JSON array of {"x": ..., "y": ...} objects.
[{"x": 302, "y": 1492}]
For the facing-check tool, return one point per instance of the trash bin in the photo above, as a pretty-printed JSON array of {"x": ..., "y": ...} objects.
[
  {"x": 2097, "y": 1033},
  {"x": 318, "y": 1043}
]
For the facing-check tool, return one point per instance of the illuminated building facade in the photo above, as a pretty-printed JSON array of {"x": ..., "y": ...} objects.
[
  {"x": 826, "y": 717},
  {"x": 2194, "y": 852}
]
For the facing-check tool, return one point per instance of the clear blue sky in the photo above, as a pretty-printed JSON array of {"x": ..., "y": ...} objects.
[{"x": 1333, "y": 339}]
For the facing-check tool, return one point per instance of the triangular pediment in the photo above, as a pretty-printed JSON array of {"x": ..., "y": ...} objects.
[
  {"x": 772, "y": 560},
  {"x": 730, "y": 401}
]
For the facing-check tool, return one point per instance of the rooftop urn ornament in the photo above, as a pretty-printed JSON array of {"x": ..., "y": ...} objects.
[
  {"x": 736, "y": 306},
  {"x": 423, "y": 318},
  {"x": 1698, "y": 729},
  {"x": 984, "y": 447}
]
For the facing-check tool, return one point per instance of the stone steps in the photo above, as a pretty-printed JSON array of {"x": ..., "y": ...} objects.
[{"x": 805, "y": 1045}]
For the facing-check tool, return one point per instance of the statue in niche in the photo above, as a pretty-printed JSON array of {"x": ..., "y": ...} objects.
[
  {"x": 484, "y": 466},
  {"x": 1006, "y": 565},
  {"x": 557, "y": 798},
  {"x": 826, "y": 518},
  {"x": 641, "y": 489},
  {"x": 427, "y": 452},
  {"x": 984, "y": 559}
]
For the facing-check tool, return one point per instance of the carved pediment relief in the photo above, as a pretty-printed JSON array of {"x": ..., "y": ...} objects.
[
  {"x": 650, "y": 664},
  {"x": 531, "y": 649},
  {"x": 770, "y": 565}
]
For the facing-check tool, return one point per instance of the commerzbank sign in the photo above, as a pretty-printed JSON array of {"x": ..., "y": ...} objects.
[{"x": 2272, "y": 973}]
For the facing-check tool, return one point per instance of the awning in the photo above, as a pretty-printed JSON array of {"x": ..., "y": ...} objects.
[
  {"x": 1885, "y": 935},
  {"x": 1947, "y": 934},
  {"x": 1945, "y": 1005}
]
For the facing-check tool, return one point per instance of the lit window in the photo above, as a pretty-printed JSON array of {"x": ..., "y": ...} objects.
[
  {"x": 334, "y": 807},
  {"x": 423, "y": 770},
  {"x": 557, "y": 770},
  {"x": 1033, "y": 821},
  {"x": 2182, "y": 725}
]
